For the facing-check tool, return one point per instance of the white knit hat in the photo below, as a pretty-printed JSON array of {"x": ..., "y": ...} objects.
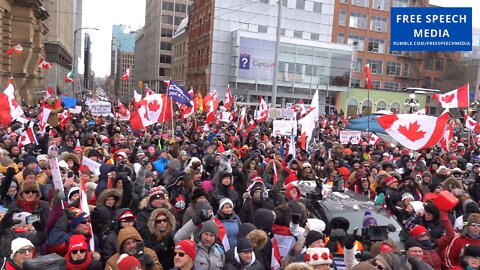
[
  {"x": 223, "y": 202},
  {"x": 318, "y": 256},
  {"x": 19, "y": 243}
]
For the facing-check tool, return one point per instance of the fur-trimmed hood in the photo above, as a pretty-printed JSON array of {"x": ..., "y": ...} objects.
[
  {"x": 258, "y": 236},
  {"x": 171, "y": 223},
  {"x": 295, "y": 161},
  {"x": 111, "y": 192},
  {"x": 452, "y": 182},
  {"x": 72, "y": 156}
]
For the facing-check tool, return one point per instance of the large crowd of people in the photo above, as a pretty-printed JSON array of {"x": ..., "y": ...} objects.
[{"x": 213, "y": 196}]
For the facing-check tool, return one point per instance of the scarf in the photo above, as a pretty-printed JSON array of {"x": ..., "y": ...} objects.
[
  {"x": 79, "y": 265},
  {"x": 28, "y": 206}
]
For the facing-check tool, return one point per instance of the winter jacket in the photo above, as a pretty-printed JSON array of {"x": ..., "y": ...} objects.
[
  {"x": 161, "y": 242},
  {"x": 209, "y": 258},
  {"x": 109, "y": 238},
  {"x": 231, "y": 226},
  {"x": 149, "y": 257},
  {"x": 453, "y": 251},
  {"x": 221, "y": 192},
  {"x": 249, "y": 207},
  {"x": 103, "y": 214}
]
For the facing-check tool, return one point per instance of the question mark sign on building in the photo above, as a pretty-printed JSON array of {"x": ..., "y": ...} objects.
[{"x": 244, "y": 61}]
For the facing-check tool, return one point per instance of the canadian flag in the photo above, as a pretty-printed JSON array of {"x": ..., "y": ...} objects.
[
  {"x": 159, "y": 108},
  {"x": 137, "y": 99},
  {"x": 241, "y": 119},
  {"x": 210, "y": 100},
  {"x": 187, "y": 111},
  {"x": 303, "y": 111},
  {"x": 50, "y": 92},
  {"x": 17, "y": 49},
  {"x": 262, "y": 114},
  {"x": 210, "y": 113},
  {"x": 368, "y": 76},
  {"x": 43, "y": 117},
  {"x": 414, "y": 131},
  {"x": 276, "y": 261},
  {"x": 148, "y": 91},
  {"x": 447, "y": 137},
  {"x": 308, "y": 125},
  {"x": 9, "y": 108},
  {"x": 123, "y": 113},
  {"x": 477, "y": 139},
  {"x": 315, "y": 103},
  {"x": 27, "y": 136},
  {"x": 44, "y": 64},
  {"x": 457, "y": 98},
  {"x": 471, "y": 124},
  {"x": 374, "y": 139},
  {"x": 139, "y": 118},
  {"x": 228, "y": 99},
  {"x": 126, "y": 75}
]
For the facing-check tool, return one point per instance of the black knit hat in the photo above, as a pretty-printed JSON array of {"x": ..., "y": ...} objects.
[
  {"x": 244, "y": 245},
  {"x": 411, "y": 242},
  {"x": 433, "y": 186},
  {"x": 199, "y": 192},
  {"x": 471, "y": 251},
  {"x": 313, "y": 236},
  {"x": 339, "y": 223},
  {"x": 432, "y": 209}
]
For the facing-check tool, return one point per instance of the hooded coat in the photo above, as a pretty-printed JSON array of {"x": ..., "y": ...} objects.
[
  {"x": 233, "y": 262},
  {"x": 221, "y": 191},
  {"x": 109, "y": 242},
  {"x": 102, "y": 214},
  {"x": 161, "y": 242},
  {"x": 148, "y": 254}
]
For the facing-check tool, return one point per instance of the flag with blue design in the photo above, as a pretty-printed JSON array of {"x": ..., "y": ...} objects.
[{"x": 177, "y": 93}]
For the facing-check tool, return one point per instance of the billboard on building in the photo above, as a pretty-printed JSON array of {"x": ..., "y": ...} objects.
[{"x": 256, "y": 59}]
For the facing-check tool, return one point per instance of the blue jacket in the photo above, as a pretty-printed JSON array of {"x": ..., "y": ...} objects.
[
  {"x": 231, "y": 227},
  {"x": 160, "y": 164}
]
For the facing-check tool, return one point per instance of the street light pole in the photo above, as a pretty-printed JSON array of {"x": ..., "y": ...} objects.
[
  {"x": 277, "y": 47},
  {"x": 74, "y": 62}
]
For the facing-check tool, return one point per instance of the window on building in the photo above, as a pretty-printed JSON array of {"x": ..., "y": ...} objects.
[
  {"x": 165, "y": 32},
  {"x": 162, "y": 72},
  {"x": 376, "y": 66},
  {"x": 317, "y": 7},
  {"x": 391, "y": 85},
  {"x": 181, "y": 8},
  {"x": 367, "y": 107},
  {"x": 264, "y": 1},
  {"x": 428, "y": 63},
  {"x": 262, "y": 29},
  {"x": 426, "y": 82},
  {"x": 300, "y": 4},
  {"x": 381, "y": 4},
  {"x": 165, "y": 59},
  {"x": 341, "y": 38},
  {"x": 352, "y": 107},
  {"x": 178, "y": 20},
  {"x": 360, "y": 3},
  {"x": 282, "y": 31},
  {"x": 344, "y": 1},
  {"x": 376, "y": 84},
  {"x": 315, "y": 36},
  {"x": 378, "y": 24},
  {"x": 285, "y": 3},
  {"x": 355, "y": 83},
  {"x": 381, "y": 106},
  {"x": 406, "y": 70},
  {"x": 439, "y": 63},
  {"x": 394, "y": 68},
  {"x": 358, "y": 65},
  {"x": 168, "y": 19},
  {"x": 400, "y": 3},
  {"x": 342, "y": 18},
  {"x": 376, "y": 45},
  {"x": 358, "y": 20},
  {"x": 297, "y": 34},
  {"x": 357, "y": 41},
  {"x": 166, "y": 46},
  {"x": 167, "y": 6},
  {"x": 395, "y": 107}
]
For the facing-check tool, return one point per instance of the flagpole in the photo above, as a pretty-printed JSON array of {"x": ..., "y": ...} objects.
[{"x": 171, "y": 108}]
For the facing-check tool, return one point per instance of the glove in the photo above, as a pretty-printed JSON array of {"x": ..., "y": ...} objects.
[
  {"x": 349, "y": 241},
  {"x": 201, "y": 216},
  {"x": 296, "y": 218},
  {"x": 59, "y": 196}
]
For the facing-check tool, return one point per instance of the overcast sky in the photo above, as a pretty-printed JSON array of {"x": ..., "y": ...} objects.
[{"x": 105, "y": 13}]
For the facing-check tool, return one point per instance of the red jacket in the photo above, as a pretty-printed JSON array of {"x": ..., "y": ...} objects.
[{"x": 453, "y": 251}]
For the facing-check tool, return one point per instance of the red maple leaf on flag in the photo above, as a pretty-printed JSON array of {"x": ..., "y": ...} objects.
[
  {"x": 471, "y": 122},
  {"x": 448, "y": 98},
  {"x": 412, "y": 132},
  {"x": 153, "y": 106}
]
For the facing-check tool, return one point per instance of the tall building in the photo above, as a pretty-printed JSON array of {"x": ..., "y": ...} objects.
[
  {"x": 153, "y": 46},
  {"x": 233, "y": 43},
  {"x": 365, "y": 25},
  {"x": 122, "y": 58},
  {"x": 23, "y": 23},
  {"x": 180, "y": 53},
  {"x": 59, "y": 44}
]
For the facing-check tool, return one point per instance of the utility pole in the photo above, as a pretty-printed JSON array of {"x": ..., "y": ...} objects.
[{"x": 277, "y": 48}]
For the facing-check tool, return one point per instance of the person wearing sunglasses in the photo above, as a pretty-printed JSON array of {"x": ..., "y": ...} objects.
[
  {"x": 130, "y": 242},
  {"x": 184, "y": 255},
  {"x": 28, "y": 200},
  {"x": 159, "y": 236},
  {"x": 78, "y": 256},
  {"x": 22, "y": 250}
]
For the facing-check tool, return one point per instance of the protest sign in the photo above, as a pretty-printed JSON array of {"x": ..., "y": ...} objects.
[
  {"x": 284, "y": 127},
  {"x": 101, "y": 108},
  {"x": 350, "y": 136}
]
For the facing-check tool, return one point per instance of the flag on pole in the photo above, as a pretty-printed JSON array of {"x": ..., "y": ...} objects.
[
  {"x": 126, "y": 75},
  {"x": 457, "y": 98},
  {"x": 262, "y": 114},
  {"x": 187, "y": 111},
  {"x": 374, "y": 139},
  {"x": 291, "y": 148},
  {"x": 17, "y": 49},
  {"x": 177, "y": 93},
  {"x": 50, "y": 92},
  {"x": 9, "y": 108},
  {"x": 84, "y": 207},
  {"x": 368, "y": 76},
  {"x": 71, "y": 75},
  {"x": 27, "y": 136},
  {"x": 308, "y": 125},
  {"x": 228, "y": 99},
  {"x": 148, "y": 91},
  {"x": 44, "y": 64}
]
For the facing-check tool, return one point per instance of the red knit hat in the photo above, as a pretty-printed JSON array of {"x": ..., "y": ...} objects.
[
  {"x": 188, "y": 246},
  {"x": 386, "y": 248},
  {"x": 126, "y": 262},
  {"x": 77, "y": 242},
  {"x": 390, "y": 180},
  {"x": 417, "y": 230}
]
